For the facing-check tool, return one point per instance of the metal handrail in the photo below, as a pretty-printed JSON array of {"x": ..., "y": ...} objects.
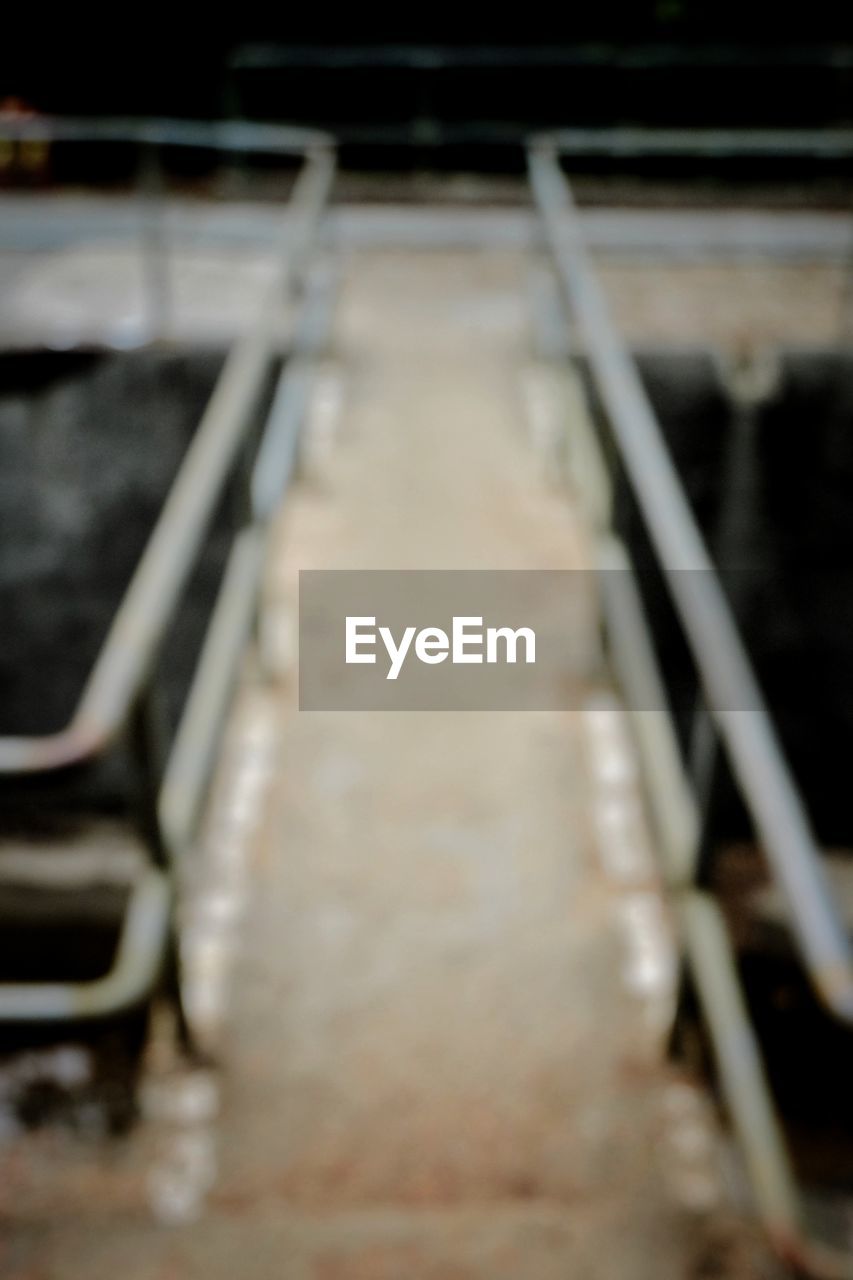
[
  {"x": 148, "y": 914},
  {"x": 731, "y": 688},
  {"x": 628, "y": 142},
  {"x": 706, "y": 940},
  {"x": 120, "y": 679},
  {"x": 190, "y": 760},
  {"x": 139, "y": 626},
  {"x": 217, "y": 135},
  {"x": 575, "y": 55},
  {"x": 151, "y": 137}
]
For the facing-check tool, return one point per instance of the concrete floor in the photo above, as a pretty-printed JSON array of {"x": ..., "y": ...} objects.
[
  {"x": 450, "y": 967},
  {"x": 73, "y": 267}
]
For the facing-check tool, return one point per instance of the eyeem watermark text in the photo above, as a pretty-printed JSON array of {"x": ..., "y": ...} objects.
[
  {"x": 468, "y": 642},
  {"x": 444, "y": 640}
]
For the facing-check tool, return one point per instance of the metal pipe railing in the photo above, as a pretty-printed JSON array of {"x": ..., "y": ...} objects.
[
  {"x": 190, "y": 761},
  {"x": 142, "y": 618},
  {"x": 151, "y": 138},
  {"x": 708, "y": 947},
  {"x": 119, "y": 683},
  {"x": 731, "y": 688},
  {"x": 223, "y": 135},
  {"x": 707, "y": 944},
  {"x": 620, "y": 142},
  {"x": 139, "y": 958}
]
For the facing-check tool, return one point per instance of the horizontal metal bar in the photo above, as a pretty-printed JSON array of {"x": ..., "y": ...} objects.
[
  {"x": 607, "y": 54},
  {"x": 731, "y": 689},
  {"x": 137, "y": 965},
  {"x": 226, "y": 135},
  {"x": 140, "y": 624},
  {"x": 823, "y": 144}
]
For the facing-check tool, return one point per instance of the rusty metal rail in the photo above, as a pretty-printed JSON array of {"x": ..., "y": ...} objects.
[
  {"x": 742, "y": 721},
  {"x": 116, "y": 698}
]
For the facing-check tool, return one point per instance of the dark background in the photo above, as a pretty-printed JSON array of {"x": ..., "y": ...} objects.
[
  {"x": 403, "y": 92},
  {"x": 662, "y": 61}
]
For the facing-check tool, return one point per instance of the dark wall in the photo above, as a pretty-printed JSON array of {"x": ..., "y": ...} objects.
[{"x": 657, "y": 61}]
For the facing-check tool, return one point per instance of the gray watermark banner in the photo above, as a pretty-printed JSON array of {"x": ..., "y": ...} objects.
[
  {"x": 530, "y": 640},
  {"x": 438, "y": 640}
]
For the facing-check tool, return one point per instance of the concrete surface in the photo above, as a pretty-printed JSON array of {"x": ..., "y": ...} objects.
[
  {"x": 443, "y": 1047},
  {"x": 73, "y": 268}
]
